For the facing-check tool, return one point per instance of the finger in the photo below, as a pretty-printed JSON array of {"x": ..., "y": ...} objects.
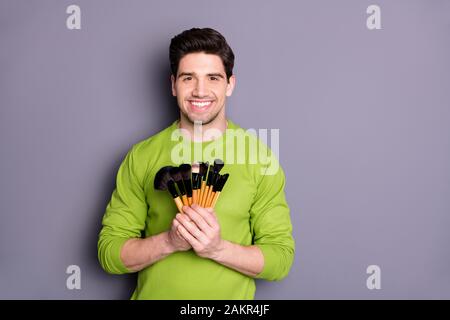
[
  {"x": 179, "y": 235},
  {"x": 198, "y": 219},
  {"x": 175, "y": 228},
  {"x": 213, "y": 213},
  {"x": 189, "y": 238},
  {"x": 175, "y": 224},
  {"x": 192, "y": 228},
  {"x": 208, "y": 216}
]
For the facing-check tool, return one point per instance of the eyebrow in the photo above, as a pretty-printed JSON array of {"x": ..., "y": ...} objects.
[{"x": 215, "y": 74}]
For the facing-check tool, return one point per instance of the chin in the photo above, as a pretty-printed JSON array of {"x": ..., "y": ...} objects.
[{"x": 203, "y": 119}]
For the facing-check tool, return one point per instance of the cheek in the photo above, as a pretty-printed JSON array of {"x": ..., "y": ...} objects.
[
  {"x": 181, "y": 93},
  {"x": 185, "y": 90},
  {"x": 220, "y": 92}
]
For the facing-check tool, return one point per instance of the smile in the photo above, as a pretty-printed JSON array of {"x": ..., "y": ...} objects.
[{"x": 199, "y": 105}]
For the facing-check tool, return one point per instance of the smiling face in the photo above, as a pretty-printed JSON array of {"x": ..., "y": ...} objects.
[{"x": 201, "y": 88}]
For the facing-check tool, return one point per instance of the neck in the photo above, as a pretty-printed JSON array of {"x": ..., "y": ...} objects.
[{"x": 209, "y": 131}]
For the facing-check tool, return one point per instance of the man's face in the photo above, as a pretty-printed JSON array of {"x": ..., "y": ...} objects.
[{"x": 201, "y": 87}]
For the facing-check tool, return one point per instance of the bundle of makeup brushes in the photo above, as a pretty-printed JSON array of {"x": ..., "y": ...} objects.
[{"x": 199, "y": 184}]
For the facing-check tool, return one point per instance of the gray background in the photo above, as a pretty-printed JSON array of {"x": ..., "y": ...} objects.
[{"x": 363, "y": 116}]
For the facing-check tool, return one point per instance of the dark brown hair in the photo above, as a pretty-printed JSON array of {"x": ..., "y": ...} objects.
[{"x": 200, "y": 40}]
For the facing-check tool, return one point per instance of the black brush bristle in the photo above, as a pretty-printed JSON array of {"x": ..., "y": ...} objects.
[
  {"x": 185, "y": 170},
  {"x": 218, "y": 165},
  {"x": 204, "y": 170},
  {"x": 217, "y": 182},
  {"x": 175, "y": 173},
  {"x": 162, "y": 178},
  {"x": 223, "y": 179},
  {"x": 211, "y": 175}
]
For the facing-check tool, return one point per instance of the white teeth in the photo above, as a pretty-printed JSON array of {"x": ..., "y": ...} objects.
[{"x": 201, "y": 104}]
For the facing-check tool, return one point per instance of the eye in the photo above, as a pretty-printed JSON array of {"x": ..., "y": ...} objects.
[
  {"x": 213, "y": 78},
  {"x": 187, "y": 78}
]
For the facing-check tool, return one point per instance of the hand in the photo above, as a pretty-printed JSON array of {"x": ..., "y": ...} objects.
[
  {"x": 176, "y": 239},
  {"x": 200, "y": 227}
]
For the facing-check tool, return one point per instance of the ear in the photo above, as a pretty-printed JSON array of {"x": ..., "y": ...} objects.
[
  {"x": 230, "y": 85},
  {"x": 174, "y": 90}
]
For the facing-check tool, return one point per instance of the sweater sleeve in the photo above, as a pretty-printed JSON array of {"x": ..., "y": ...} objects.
[
  {"x": 272, "y": 228},
  {"x": 124, "y": 217}
]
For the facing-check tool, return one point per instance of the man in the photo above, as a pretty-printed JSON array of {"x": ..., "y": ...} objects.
[{"x": 202, "y": 253}]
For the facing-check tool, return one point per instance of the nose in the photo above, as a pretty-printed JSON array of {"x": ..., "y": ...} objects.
[{"x": 200, "y": 89}]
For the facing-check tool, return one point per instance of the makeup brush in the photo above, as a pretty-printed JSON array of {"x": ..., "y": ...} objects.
[
  {"x": 203, "y": 173},
  {"x": 218, "y": 189},
  {"x": 175, "y": 173},
  {"x": 185, "y": 170},
  {"x": 196, "y": 180},
  {"x": 218, "y": 165},
  {"x": 208, "y": 187},
  {"x": 163, "y": 181},
  {"x": 212, "y": 190}
]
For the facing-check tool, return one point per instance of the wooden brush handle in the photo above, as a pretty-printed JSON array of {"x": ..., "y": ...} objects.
[
  {"x": 185, "y": 200},
  {"x": 210, "y": 199},
  {"x": 214, "y": 201},
  {"x": 205, "y": 196},
  {"x": 195, "y": 196},
  {"x": 201, "y": 193},
  {"x": 179, "y": 204}
]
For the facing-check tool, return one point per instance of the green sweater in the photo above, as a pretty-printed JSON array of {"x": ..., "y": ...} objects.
[{"x": 251, "y": 210}]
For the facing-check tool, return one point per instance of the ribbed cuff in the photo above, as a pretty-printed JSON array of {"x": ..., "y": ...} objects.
[
  {"x": 117, "y": 265},
  {"x": 270, "y": 262}
]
